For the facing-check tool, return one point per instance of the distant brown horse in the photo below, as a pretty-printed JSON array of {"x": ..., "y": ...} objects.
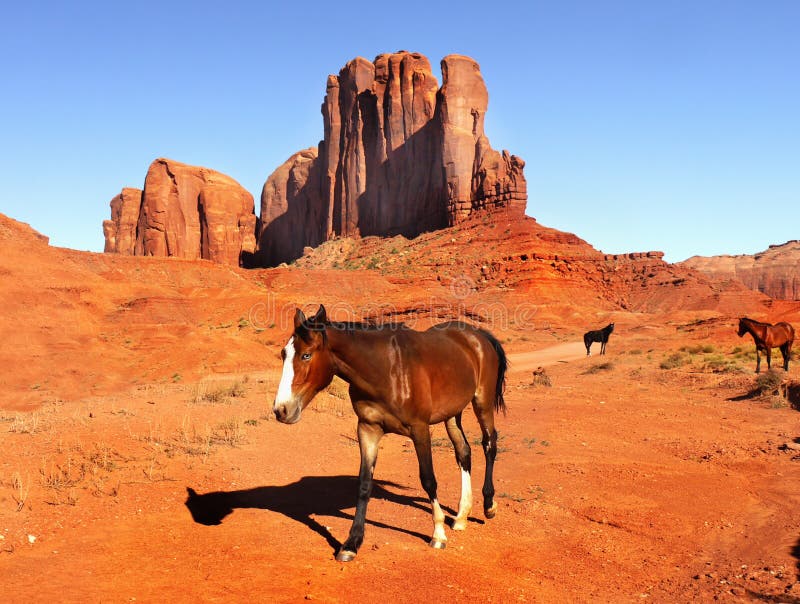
[
  {"x": 401, "y": 381},
  {"x": 767, "y": 337}
]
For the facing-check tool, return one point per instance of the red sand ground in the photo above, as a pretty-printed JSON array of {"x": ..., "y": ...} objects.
[{"x": 129, "y": 381}]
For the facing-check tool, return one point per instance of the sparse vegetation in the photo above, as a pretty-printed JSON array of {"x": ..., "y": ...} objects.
[
  {"x": 675, "y": 360},
  {"x": 26, "y": 423},
  {"x": 768, "y": 383},
  {"x": 698, "y": 348},
  {"x": 230, "y": 432},
  {"x": 540, "y": 378},
  {"x": 719, "y": 363},
  {"x": 20, "y": 490},
  {"x": 605, "y": 366},
  {"x": 204, "y": 394}
]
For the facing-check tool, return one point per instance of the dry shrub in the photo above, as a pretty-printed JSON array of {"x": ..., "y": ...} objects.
[
  {"x": 606, "y": 366},
  {"x": 540, "y": 378},
  {"x": 768, "y": 383},
  {"x": 675, "y": 360}
]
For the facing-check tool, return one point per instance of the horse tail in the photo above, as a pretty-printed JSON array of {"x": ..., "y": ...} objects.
[{"x": 502, "y": 368}]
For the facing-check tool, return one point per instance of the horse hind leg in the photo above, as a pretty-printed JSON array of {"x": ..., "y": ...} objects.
[
  {"x": 786, "y": 351},
  {"x": 464, "y": 461},
  {"x": 483, "y": 407},
  {"x": 421, "y": 436}
]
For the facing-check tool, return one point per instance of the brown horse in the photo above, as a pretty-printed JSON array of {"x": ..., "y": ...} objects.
[
  {"x": 401, "y": 381},
  {"x": 767, "y": 337}
]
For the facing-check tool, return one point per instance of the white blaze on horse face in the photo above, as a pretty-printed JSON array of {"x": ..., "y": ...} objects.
[{"x": 285, "y": 387}]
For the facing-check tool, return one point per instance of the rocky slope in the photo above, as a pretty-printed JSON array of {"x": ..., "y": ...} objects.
[
  {"x": 500, "y": 256},
  {"x": 773, "y": 272}
]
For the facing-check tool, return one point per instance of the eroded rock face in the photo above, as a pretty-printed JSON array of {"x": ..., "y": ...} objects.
[
  {"x": 120, "y": 231},
  {"x": 773, "y": 272},
  {"x": 400, "y": 156},
  {"x": 184, "y": 211},
  {"x": 292, "y": 208}
]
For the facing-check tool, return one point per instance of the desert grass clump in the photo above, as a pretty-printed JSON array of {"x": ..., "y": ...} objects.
[
  {"x": 20, "y": 490},
  {"x": 230, "y": 432},
  {"x": 540, "y": 378},
  {"x": 698, "y": 348},
  {"x": 768, "y": 383},
  {"x": 26, "y": 423},
  {"x": 675, "y": 360},
  {"x": 219, "y": 395},
  {"x": 606, "y": 366},
  {"x": 719, "y": 363}
]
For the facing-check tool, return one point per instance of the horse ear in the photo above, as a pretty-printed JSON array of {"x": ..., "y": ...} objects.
[
  {"x": 299, "y": 318},
  {"x": 321, "y": 316}
]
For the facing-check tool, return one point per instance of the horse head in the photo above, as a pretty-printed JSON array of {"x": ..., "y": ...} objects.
[
  {"x": 742, "y": 327},
  {"x": 307, "y": 366}
]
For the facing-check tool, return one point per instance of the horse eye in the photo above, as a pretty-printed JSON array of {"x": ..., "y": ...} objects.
[{"x": 306, "y": 356}]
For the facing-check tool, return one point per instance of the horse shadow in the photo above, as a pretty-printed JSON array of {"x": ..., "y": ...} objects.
[{"x": 301, "y": 501}]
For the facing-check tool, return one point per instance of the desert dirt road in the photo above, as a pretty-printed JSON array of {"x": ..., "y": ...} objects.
[{"x": 560, "y": 353}]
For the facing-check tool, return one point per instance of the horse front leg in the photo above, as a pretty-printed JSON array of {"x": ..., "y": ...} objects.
[
  {"x": 769, "y": 358},
  {"x": 421, "y": 436},
  {"x": 369, "y": 435},
  {"x": 758, "y": 360}
]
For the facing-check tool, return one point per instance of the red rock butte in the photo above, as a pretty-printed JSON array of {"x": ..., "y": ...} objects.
[
  {"x": 400, "y": 156},
  {"x": 184, "y": 211}
]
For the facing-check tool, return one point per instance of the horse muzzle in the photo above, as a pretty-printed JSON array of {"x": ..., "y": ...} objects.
[{"x": 287, "y": 413}]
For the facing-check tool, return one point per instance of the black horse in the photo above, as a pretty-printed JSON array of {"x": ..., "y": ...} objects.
[{"x": 599, "y": 335}]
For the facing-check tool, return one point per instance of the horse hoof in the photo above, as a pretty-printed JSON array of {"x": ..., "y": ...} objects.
[
  {"x": 459, "y": 525},
  {"x": 490, "y": 512},
  {"x": 345, "y": 555},
  {"x": 436, "y": 544}
]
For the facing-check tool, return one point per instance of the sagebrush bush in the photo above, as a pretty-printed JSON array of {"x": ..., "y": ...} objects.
[{"x": 769, "y": 382}]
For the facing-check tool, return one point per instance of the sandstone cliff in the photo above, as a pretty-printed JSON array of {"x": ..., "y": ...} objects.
[
  {"x": 399, "y": 156},
  {"x": 184, "y": 211},
  {"x": 120, "y": 231},
  {"x": 774, "y": 272}
]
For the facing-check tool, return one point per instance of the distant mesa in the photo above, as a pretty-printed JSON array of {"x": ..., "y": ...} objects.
[
  {"x": 774, "y": 272},
  {"x": 184, "y": 211},
  {"x": 400, "y": 156}
]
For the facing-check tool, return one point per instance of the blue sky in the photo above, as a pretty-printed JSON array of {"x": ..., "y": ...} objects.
[{"x": 671, "y": 125}]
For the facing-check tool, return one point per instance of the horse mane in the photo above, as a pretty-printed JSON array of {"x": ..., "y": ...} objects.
[
  {"x": 364, "y": 325},
  {"x": 754, "y": 321}
]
